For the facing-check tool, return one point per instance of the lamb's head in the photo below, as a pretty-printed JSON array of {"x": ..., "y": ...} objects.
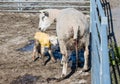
[{"x": 45, "y": 20}]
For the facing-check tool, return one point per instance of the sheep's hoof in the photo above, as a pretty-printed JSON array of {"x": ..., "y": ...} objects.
[
  {"x": 85, "y": 69},
  {"x": 61, "y": 64},
  {"x": 63, "y": 75},
  {"x": 43, "y": 63},
  {"x": 60, "y": 79},
  {"x": 35, "y": 59},
  {"x": 54, "y": 60}
]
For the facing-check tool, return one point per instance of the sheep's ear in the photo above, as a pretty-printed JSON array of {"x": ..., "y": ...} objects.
[
  {"x": 40, "y": 11},
  {"x": 46, "y": 13}
]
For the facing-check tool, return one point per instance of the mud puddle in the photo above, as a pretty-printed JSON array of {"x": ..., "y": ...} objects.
[{"x": 27, "y": 79}]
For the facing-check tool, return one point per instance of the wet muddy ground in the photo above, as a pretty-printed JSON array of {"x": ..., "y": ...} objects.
[{"x": 16, "y": 67}]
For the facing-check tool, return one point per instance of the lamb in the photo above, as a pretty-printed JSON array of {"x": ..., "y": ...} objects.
[
  {"x": 70, "y": 23},
  {"x": 42, "y": 43}
]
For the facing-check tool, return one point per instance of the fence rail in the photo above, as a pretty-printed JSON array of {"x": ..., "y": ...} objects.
[
  {"x": 99, "y": 51},
  {"x": 36, "y": 5}
]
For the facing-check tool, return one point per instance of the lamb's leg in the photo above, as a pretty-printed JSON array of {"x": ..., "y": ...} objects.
[
  {"x": 42, "y": 55},
  {"x": 51, "y": 55},
  {"x": 35, "y": 50},
  {"x": 86, "y": 54},
  {"x": 63, "y": 50}
]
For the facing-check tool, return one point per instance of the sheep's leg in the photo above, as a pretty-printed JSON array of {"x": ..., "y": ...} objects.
[
  {"x": 63, "y": 57},
  {"x": 51, "y": 55},
  {"x": 35, "y": 50},
  {"x": 63, "y": 50},
  {"x": 86, "y": 54}
]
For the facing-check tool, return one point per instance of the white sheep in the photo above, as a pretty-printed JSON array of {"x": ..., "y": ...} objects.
[{"x": 70, "y": 23}]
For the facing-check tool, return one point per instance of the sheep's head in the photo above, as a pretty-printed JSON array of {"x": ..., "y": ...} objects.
[{"x": 44, "y": 20}]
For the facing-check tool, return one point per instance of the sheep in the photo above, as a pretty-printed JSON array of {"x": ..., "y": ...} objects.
[
  {"x": 42, "y": 43},
  {"x": 70, "y": 23}
]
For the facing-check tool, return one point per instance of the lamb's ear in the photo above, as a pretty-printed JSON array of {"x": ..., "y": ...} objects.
[{"x": 46, "y": 13}]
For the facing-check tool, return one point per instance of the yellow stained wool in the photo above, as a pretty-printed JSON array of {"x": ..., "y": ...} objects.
[{"x": 43, "y": 38}]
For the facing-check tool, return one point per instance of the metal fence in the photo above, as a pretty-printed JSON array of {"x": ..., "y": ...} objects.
[
  {"x": 114, "y": 53},
  {"x": 100, "y": 70},
  {"x": 36, "y": 5}
]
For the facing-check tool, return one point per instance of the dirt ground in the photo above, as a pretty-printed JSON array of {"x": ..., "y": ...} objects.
[
  {"x": 114, "y": 3},
  {"x": 116, "y": 20},
  {"x": 16, "y": 29},
  {"x": 16, "y": 67}
]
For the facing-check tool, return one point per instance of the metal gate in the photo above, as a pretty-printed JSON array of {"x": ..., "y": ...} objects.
[
  {"x": 99, "y": 45},
  {"x": 36, "y": 5},
  {"x": 114, "y": 53}
]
